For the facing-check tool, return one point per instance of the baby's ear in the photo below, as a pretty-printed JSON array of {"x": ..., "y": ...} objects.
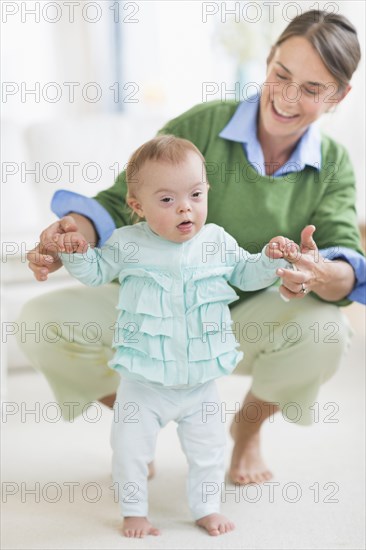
[{"x": 135, "y": 205}]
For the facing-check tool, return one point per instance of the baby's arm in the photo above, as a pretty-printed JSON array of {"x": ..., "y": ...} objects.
[
  {"x": 91, "y": 266},
  {"x": 71, "y": 242},
  {"x": 256, "y": 271}
]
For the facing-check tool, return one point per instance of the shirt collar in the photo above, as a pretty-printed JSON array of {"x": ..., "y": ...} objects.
[{"x": 242, "y": 127}]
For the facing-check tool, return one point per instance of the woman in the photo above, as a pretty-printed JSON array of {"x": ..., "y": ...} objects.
[{"x": 270, "y": 172}]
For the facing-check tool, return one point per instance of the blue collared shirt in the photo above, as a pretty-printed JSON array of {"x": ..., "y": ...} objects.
[
  {"x": 63, "y": 202},
  {"x": 242, "y": 128}
]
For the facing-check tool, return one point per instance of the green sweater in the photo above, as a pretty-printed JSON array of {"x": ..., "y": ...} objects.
[{"x": 252, "y": 207}]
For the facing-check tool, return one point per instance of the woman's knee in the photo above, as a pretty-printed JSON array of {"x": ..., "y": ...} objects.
[
  {"x": 35, "y": 320},
  {"x": 325, "y": 325},
  {"x": 329, "y": 336},
  {"x": 318, "y": 339},
  {"x": 310, "y": 335},
  {"x": 69, "y": 324},
  {"x": 49, "y": 322}
]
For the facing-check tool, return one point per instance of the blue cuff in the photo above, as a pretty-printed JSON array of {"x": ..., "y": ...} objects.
[
  {"x": 358, "y": 262},
  {"x": 63, "y": 202}
]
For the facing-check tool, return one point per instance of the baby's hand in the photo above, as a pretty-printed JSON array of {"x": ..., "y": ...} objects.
[
  {"x": 282, "y": 247},
  {"x": 71, "y": 242}
]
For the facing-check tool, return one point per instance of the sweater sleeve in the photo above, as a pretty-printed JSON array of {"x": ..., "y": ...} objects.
[{"x": 335, "y": 216}]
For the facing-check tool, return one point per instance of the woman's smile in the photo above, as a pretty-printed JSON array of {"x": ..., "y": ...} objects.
[{"x": 280, "y": 114}]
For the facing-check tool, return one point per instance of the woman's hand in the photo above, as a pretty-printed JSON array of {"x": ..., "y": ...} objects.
[
  {"x": 331, "y": 280},
  {"x": 44, "y": 258}
]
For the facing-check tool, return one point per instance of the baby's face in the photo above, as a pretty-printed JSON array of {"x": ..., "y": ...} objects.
[{"x": 173, "y": 198}]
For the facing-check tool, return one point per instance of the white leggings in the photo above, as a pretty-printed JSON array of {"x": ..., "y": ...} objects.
[{"x": 201, "y": 434}]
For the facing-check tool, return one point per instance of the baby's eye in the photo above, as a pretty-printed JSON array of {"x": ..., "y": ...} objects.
[
  {"x": 280, "y": 76},
  {"x": 197, "y": 194},
  {"x": 166, "y": 199}
]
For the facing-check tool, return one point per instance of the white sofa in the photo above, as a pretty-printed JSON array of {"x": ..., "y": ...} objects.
[{"x": 73, "y": 153}]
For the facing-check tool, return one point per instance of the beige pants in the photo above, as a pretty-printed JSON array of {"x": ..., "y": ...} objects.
[{"x": 290, "y": 348}]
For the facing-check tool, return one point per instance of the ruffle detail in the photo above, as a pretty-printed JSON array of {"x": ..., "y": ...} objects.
[
  {"x": 210, "y": 346},
  {"x": 131, "y": 361},
  {"x": 162, "y": 279},
  {"x": 171, "y": 338},
  {"x": 205, "y": 287},
  {"x": 208, "y": 318},
  {"x": 200, "y": 371},
  {"x": 201, "y": 273},
  {"x": 169, "y": 373},
  {"x": 139, "y": 322},
  {"x": 153, "y": 347},
  {"x": 145, "y": 292}
]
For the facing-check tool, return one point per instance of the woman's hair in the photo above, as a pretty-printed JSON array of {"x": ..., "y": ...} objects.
[
  {"x": 332, "y": 36},
  {"x": 165, "y": 148}
]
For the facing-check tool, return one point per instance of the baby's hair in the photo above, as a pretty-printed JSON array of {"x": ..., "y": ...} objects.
[{"x": 164, "y": 148}]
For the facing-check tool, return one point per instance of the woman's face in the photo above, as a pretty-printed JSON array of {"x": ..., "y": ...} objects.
[{"x": 297, "y": 91}]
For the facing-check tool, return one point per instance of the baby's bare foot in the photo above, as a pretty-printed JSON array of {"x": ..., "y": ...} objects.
[
  {"x": 216, "y": 524},
  {"x": 138, "y": 527}
]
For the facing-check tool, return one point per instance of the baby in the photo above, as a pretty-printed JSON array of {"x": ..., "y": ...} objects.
[{"x": 172, "y": 336}]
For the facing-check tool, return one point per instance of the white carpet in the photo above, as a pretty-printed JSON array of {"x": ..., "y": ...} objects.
[{"x": 316, "y": 499}]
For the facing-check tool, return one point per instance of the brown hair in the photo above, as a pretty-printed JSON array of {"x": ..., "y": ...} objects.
[
  {"x": 164, "y": 148},
  {"x": 332, "y": 36}
]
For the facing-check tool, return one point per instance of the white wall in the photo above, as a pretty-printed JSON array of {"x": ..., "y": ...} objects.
[{"x": 169, "y": 51}]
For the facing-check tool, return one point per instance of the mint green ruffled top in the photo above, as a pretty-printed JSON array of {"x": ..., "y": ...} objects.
[{"x": 174, "y": 324}]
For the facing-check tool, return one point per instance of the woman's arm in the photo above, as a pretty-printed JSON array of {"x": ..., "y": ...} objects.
[{"x": 86, "y": 228}]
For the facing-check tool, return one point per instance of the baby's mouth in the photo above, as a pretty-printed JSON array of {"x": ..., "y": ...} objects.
[{"x": 185, "y": 226}]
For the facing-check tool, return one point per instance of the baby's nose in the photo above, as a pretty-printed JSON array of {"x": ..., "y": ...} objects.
[{"x": 184, "y": 207}]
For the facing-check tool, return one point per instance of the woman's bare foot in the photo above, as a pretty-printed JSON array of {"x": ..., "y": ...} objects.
[
  {"x": 247, "y": 465},
  {"x": 151, "y": 468},
  {"x": 108, "y": 400},
  {"x": 216, "y": 524},
  {"x": 138, "y": 527}
]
